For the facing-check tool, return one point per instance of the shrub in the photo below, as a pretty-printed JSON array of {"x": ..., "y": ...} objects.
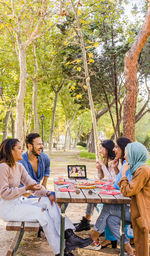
[{"x": 83, "y": 144}]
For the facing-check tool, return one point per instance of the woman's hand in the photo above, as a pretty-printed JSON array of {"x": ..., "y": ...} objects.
[
  {"x": 99, "y": 165},
  {"x": 115, "y": 163},
  {"x": 51, "y": 198},
  {"x": 33, "y": 187},
  {"x": 125, "y": 168}
]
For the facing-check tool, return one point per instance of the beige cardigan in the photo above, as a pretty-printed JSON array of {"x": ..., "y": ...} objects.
[{"x": 10, "y": 179}]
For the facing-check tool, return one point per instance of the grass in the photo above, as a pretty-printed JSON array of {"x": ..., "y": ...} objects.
[{"x": 85, "y": 154}]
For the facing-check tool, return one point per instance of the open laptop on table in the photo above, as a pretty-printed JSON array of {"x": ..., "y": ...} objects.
[{"x": 77, "y": 171}]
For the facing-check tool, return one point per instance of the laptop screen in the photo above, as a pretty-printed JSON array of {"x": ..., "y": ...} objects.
[{"x": 77, "y": 171}]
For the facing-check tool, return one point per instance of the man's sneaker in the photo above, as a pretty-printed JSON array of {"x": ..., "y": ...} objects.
[
  {"x": 83, "y": 225},
  {"x": 94, "y": 246},
  {"x": 73, "y": 241}
]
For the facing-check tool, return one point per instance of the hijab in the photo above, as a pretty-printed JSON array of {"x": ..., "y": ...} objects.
[{"x": 137, "y": 155}]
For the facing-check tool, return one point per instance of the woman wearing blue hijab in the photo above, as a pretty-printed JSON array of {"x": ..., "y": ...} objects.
[{"x": 139, "y": 190}]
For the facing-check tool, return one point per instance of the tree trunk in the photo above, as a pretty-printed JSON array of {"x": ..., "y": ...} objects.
[
  {"x": 67, "y": 145},
  {"x": 35, "y": 110},
  {"x": 21, "y": 94},
  {"x": 115, "y": 83},
  {"x": 110, "y": 112},
  {"x": 87, "y": 78},
  {"x": 91, "y": 142},
  {"x": 77, "y": 138},
  {"x": 131, "y": 82},
  {"x": 12, "y": 125},
  {"x": 53, "y": 122},
  {"x": 35, "y": 90},
  {"x": 6, "y": 122},
  {"x": 22, "y": 60}
]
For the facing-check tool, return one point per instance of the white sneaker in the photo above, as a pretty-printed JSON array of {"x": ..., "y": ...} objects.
[
  {"x": 126, "y": 254},
  {"x": 96, "y": 246}
]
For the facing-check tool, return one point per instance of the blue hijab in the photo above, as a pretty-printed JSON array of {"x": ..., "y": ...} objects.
[{"x": 137, "y": 155}]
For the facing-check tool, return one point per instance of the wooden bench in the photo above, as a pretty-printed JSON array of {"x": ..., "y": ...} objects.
[{"x": 20, "y": 227}]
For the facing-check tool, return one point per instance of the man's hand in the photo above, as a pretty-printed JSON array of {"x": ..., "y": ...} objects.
[
  {"x": 33, "y": 187},
  {"x": 51, "y": 198},
  {"x": 125, "y": 168}
]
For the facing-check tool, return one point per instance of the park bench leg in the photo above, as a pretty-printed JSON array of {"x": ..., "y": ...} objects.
[
  {"x": 123, "y": 207},
  {"x": 62, "y": 236},
  {"x": 16, "y": 242}
]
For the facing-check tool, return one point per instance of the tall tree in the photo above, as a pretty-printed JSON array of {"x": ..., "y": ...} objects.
[
  {"x": 35, "y": 91},
  {"x": 131, "y": 81},
  {"x": 87, "y": 79},
  {"x": 26, "y": 30}
]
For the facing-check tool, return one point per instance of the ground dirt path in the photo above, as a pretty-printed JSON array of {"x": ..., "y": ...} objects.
[{"x": 33, "y": 246}]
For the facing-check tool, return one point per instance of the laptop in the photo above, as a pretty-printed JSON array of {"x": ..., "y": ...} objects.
[{"x": 76, "y": 171}]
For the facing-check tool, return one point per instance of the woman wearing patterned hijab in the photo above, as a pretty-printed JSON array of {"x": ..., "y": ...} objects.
[{"x": 139, "y": 190}]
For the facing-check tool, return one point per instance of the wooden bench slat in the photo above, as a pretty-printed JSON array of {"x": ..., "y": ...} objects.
[
  {"x": 28, "y": 226},
  {"x": 20, "y": 227},
  {"x": 14, "y": 226},
  {"x": 31, "y": 226}
]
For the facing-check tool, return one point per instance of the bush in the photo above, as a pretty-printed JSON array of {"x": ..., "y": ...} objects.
[{"x": 83, "y": 144}]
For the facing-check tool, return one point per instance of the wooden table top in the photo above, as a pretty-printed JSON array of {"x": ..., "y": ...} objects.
[{"x": 85, "y": 197}]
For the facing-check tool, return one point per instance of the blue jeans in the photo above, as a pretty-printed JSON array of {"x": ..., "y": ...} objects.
[
  {"x": 111, "y": 216},
  {"x": 90, "y": 208},
  {"x": 99, "y": 207}
]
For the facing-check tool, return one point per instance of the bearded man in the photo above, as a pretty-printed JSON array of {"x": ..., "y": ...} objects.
[{"x": 35, "y": 161}]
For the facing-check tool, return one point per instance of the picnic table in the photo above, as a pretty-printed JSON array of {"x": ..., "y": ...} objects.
[{"x": 96, "y": 197}]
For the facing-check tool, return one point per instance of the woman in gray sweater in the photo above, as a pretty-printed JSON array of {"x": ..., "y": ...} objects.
[{"x": 14, "y": 207}]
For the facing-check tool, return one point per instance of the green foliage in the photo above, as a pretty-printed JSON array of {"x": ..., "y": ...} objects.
[
  {"x": 147, "y": 141},
  {"x": 142, "y": 129},
  {"x": 83, "y": 144},
  {"x": 59, "y": 58},
  {"x": 148, "y": 162},
  {"x": 1, "y": 137}
]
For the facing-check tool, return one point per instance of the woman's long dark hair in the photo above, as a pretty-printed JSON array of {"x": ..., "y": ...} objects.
[
  {"x": 122, "y": 142},
  {"x": 6, "y": 148},
  {"x": 109, "y": 145}
]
